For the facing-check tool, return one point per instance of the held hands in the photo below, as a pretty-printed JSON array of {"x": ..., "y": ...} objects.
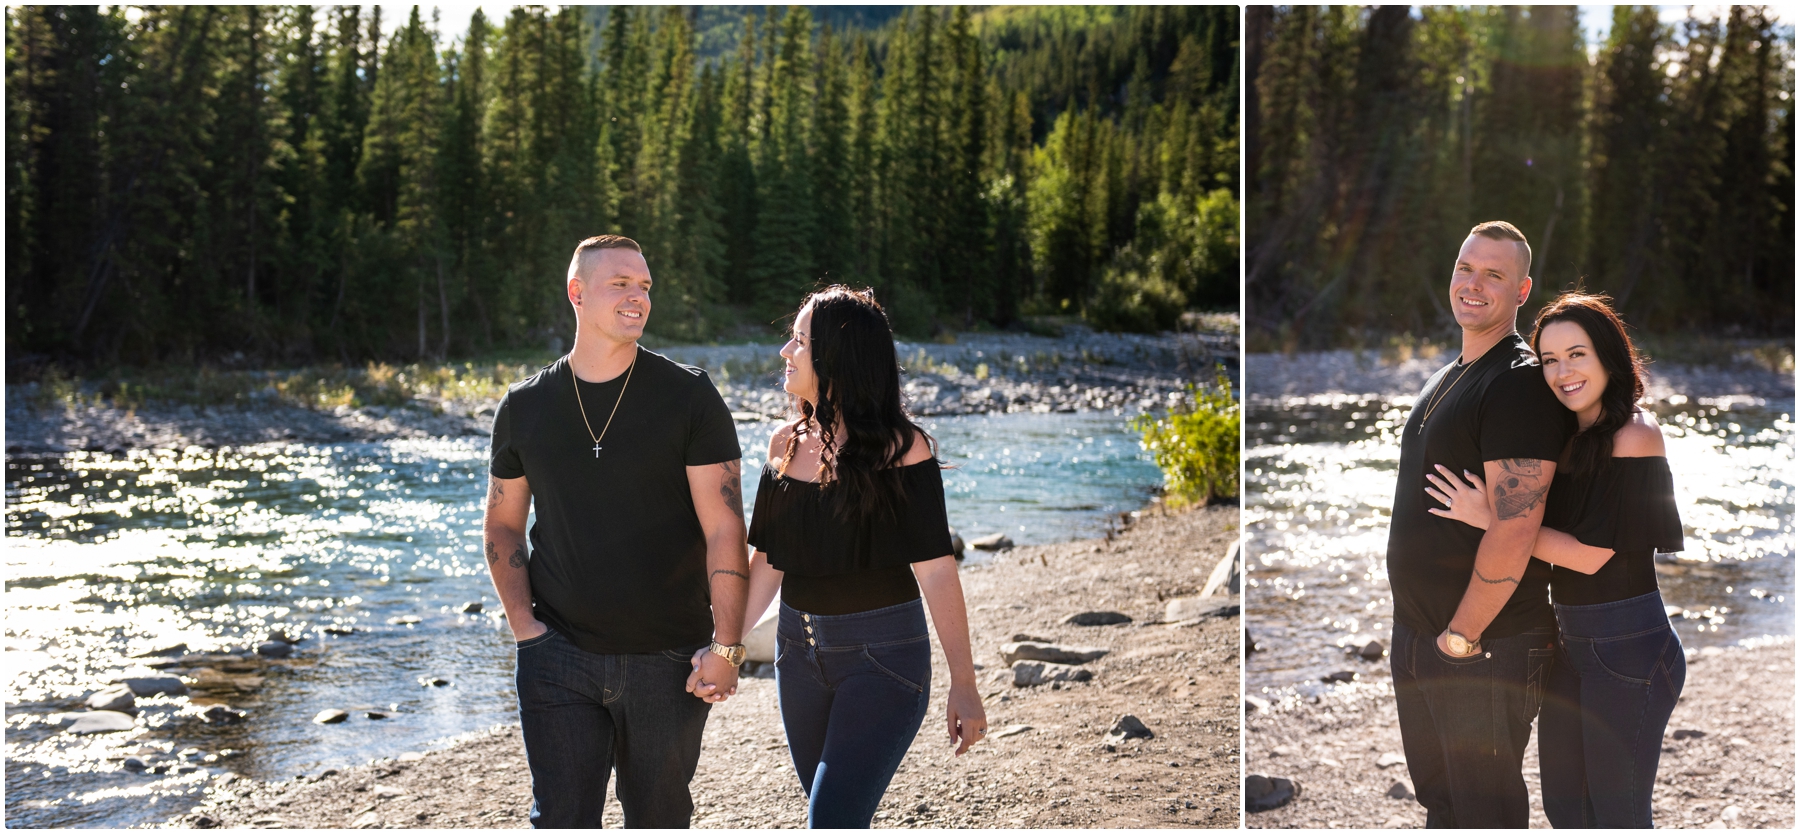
[
  {"x": 714, "y": 678},
  {"x": 967, "y": 719},
  {"x": 1465, "y": 502}
]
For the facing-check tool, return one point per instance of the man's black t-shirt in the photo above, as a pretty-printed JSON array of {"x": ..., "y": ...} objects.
[
  {"x": 1500, "y": 408},
  {"x": 618, "y": 561}
]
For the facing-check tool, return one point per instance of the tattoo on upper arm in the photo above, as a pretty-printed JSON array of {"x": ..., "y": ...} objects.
[
  {"x": 496, "y": 491},
  {"x": 1513, "y": 580},
  {"x": 738, "y": 574},
  {"x": 731, "y": 486},
  {"x": 517, "y": 559},
  {"x": 1520, "y": 488}
]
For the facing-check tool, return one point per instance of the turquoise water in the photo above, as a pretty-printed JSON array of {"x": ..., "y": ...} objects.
[
  {"x": 109, "y": 556},
  {"x": 1319, "y": 484}
]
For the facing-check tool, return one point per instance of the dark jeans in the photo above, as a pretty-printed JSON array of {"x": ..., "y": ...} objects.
[
  {"x": 584, "y": 713},
  {"x": 1618, "y": 674},
  {"x": 1465, "y": 721},
  {"x": 853, "y": 691}
]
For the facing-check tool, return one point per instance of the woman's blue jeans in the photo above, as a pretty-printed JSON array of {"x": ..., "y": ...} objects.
[
  {"x": 1619, "y": 671},
  {"x": 853, "y": 691}
]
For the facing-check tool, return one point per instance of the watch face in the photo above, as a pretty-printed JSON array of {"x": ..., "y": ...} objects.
[{"x": 1457, "y": 644}]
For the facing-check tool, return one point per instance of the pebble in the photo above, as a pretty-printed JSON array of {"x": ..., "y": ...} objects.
[
  {"x": 221, "y": 714},
  {"x": 1012, "y": 653},
  {"x": 433, "y": 682},
  {"x": 1097, "y": 618},
  {"x": 1341, "y": 677},
  {"x": 1266, "y": 793},
  {"x": 1037, "y": 673},
  {"x": 375, "y": 715},
  {"x": 101, "y": 721},
  {"x": 280, "y": 636},
  {"x": 1678, "y": 735},
  {"x": 1128, "y": 727},
  {"x": 408, "y": 619},
  {"x": 1026, "y": 638},
  {"x": 1401, "y": 789},
  {"x": 471, "y": 608},
  {"x": 1373, "y": 651},
  {"x": 956, "y": 544},
  {"x": 1389, "y": 760},
  {"x": 997, "y": 541},
  {"x": 147, "y": 685},
  {"x": 340, "y": 629},
  {"x": 275, "y": 648},
  {"x": 1182, "y": 609},
  {"x": 1253, "y": 703},
  {"x": 133, "y": 763},
  {"x": 1012, "y": 730},
  {"x": 331, "y": 716},
  {"x": 114, "y": 699}
]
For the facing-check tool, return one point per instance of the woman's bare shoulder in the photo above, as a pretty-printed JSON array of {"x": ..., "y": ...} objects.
[
  {"x": 778, "y": 441},
  {"x": 1640, "y": 438},
  {"x": 920, "y": 450}
]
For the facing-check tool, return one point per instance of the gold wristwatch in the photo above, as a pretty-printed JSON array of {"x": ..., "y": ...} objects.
[
  {"x": 733, "y": 655},
  {"x": 1459, "y": 645}
]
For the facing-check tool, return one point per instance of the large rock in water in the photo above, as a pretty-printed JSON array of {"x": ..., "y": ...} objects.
[
  {"x": 275, "y": 648},
  {"x": 113, "y": 699},
  {"x": 1038, "y": 673},
  {"x": 101, "y": 721},
  {"x": 1049, "y": 652},
  {"x": 144, "y": 686},
  {"x": 997, "y": 541}
]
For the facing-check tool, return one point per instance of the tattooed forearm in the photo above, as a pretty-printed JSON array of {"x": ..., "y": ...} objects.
[
  {"x": 1520, "y": 487},
  {"x": 738, "y": 574},
  {"x": 731, "y": 486},
  {"x": 1478, "y": 575},
  {"x": 517, "y": 559},
  {"x": 493, "y": 554},
  {"x": 496, "y": 492}
]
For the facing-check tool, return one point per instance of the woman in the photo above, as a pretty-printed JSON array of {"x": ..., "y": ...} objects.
[
  {"x": 850, "y": 519},
  {"x": 1620, "y": 666}
]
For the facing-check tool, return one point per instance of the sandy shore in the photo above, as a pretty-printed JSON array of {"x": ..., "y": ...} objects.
[
  {"x": 1179, "y": 679},
  {"x": 1738, "y": 772}
]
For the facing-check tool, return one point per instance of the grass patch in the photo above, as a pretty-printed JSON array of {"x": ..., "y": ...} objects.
[{"x": 1196, "y": 443}]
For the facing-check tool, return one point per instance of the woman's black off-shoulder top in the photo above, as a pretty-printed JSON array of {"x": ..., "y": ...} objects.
[
  {"x": 832, "y": 566},
  {"x": 1626, "y": 505}
]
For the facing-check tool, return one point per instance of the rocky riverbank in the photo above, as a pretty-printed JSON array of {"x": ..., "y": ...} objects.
[
  {"x": 1054, "y": 759},
  {"x": 978, "y": 373},
  {"x": 1727, "y": 762}
]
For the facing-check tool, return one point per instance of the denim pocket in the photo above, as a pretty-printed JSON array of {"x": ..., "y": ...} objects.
[
  {"x": 1452, "y": 660},
  {"x": 1632, "y": 658},
  {"x": 535, "y": 641},
  {"x": 904, "y": 656},
  {"x": 1538, "y": 665}
]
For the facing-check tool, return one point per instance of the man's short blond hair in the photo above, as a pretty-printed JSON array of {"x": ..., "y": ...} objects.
[
  {"x": 1502, "y": 230},
  {"x": 588, "y": 250}
]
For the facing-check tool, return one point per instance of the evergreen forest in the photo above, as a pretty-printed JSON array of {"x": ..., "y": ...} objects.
[
  {"x": 279, "y": 185},
  {"x": 1655, "y": 166}
]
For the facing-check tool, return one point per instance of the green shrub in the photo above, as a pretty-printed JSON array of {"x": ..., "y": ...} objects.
[
  {"x": 1196, "y": 443},
  {"x": 1135, "y": 301}
]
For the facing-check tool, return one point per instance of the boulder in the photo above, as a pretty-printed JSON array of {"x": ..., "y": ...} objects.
[
  {"x": 280, "y": 636},
  {"x": 434, "y": 682},
  {"x": 275, "y": 648},
  {"x": 331, "y": 716},
  {"x": 221, "y": 714},
  {"x": 375, "y": 715},
  {"x": 1182, "y": 609},
  {"x": 1012, "y": 653},
  {"x": 997, "y": 541},
  {"x": 471, "y": 608},
  {"x": 1128, "y": 727},
  {"x": 1038, "y": 673},
  {"x": 1266, "y": 793},
  {"x": 1097, "y": 618},
  {"x": 101, "y": 721},
  {"x": 1341, "y": 677},
  {"x": 113, "y": 699},
  {"x": 144, "y": 686},
  {"x": 1373, "y": 651}
]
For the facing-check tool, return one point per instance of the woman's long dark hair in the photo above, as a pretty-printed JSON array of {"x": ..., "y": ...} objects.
[
  {"x": 1624, "y": 371},
  {"x": 859, "y": 383}
]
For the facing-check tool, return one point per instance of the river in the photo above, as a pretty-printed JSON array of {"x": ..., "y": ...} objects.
[
  {"x": 110, "y": 556},
  {"x": 1319, "y": 485}
]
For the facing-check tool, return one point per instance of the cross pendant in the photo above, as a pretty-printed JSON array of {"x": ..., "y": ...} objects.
[{"x": 596, "y": 451}]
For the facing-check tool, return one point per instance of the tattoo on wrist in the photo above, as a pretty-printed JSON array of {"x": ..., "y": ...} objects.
[
  {"x": 517, "y": 559},
  {"x": 1520, "y": 488},
  {"x": 740, "y": 575},
  {"x": 1502, "y": 579}
]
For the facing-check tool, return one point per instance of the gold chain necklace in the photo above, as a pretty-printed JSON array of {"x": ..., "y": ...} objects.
[
  {"x": 1438, "y": 396},
  {"x": 615, "y": 410}
]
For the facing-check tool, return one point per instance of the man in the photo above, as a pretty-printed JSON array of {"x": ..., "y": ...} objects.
[
  {"x": 1474, "y": 633},
  {"x": 637, "y": 560}
]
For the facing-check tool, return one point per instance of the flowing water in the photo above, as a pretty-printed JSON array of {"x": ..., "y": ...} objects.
[
  {"x": 110, "y": 557},
  {"x": 1319, "y": 482}
]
